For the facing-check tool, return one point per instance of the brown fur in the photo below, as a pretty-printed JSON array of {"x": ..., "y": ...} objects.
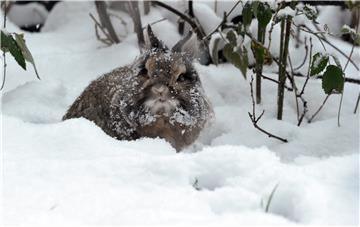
[{"x": 159, "y": 95}]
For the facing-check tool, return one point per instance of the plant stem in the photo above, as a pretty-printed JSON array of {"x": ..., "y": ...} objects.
[
  {"x": 347, "y": 63},
  {"x": 105, "y": 20},
  {"x": 255, "y": 119},
  {"x": 295, "y": 89},
  {"x": 135, "y": 15},
  {"x": 259, "y": 65},
  {"x": 222, "y": 22},
  {"x": 186, "y": 18},
  {"x": 322, "y": 105},
  {"x": 283, "y": 62},
  {"x": 4, "y": 56},
  {"x": 327, "y": 42},
  {"x": 357, "y": 103}
]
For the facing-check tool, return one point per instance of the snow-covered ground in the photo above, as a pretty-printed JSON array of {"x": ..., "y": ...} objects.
[{"x": 71, "y": 172}]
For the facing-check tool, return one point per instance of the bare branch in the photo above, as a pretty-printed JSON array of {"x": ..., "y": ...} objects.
[
  {"x": 186, "y": 18},
  {"x": 226, "y": 15},
  {"x": 107, "y": 40},
  {"x": 4, "y": 56},
  {"x": 322, "y": 105},
  {"x": 306, "y": 55},
  {"x": 308, "y": 73},
  {"x": 357, "y": 103},
  {"x": 302, "y": 26},
  {"x": 155, "y": 22},
  {"x": 133, "y": 7},
  {"x": 255, "y": 119},
  {"x": 275, "y": 81},
  {"x": 347, "y": 79},
  {"x": 105, "y": 20},
  {"x": 347, "y": 63}
]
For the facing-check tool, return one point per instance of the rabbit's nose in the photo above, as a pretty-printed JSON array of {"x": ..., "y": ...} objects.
[{"x": 160, "y": 90}]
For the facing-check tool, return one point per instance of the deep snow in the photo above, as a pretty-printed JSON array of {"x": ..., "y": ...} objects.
[{"x": 73, "y": 173}]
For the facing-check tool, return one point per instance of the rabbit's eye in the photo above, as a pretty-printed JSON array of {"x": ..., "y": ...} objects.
[
  {"x": 143, "y": 72},
  {"x": 181, "y": 78}
]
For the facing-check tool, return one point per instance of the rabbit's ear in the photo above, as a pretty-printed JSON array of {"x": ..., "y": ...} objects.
[
  {"x": 152, "y": 41},
  {"x": 189, "y": 44}
]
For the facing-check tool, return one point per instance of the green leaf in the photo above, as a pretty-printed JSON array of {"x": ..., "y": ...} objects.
[
  {"x": 347, "y": 30},
  {"x": 240, "y": 62},
  {"x": 231, "y": 37},
  {"x": 215, "y": 56},
  {"x": 228, "y": 49},
  {"x": 318, "y": 64},
  {"x": 258, "y": 51},
  {"x": 25, "y": 51},
  {"x": 255, "y": 5},
  {"x": 293, "y": 4},
  {"x": 357, "y": 39},
  {"x": 239, "y": 30},
  {"x": 333, "y": 80},
  {"x": 247, "y": 14},
  {"x": 352, "y": 4},
  {"x": 354, "y": 35},
  {"x": 245, "y": 62},
  {"x": 9, "y": 44},
  {"x": 264, "y": 14}
]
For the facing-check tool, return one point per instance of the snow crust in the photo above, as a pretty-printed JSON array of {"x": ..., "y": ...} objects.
[
  {"x": 71, "y": 172},
  {"x": 287, "y": 11},
  {"x": 29, "y": 14}
]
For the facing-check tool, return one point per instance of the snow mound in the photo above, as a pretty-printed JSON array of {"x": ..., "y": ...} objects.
[
  {"x": 84, "y": 176},
  {"x": 71, "y": 172}
]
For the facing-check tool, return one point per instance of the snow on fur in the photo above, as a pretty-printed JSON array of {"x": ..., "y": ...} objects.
[{"x": 71, "y": 172}]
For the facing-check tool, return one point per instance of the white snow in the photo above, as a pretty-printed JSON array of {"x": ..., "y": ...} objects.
[
  {"x": 71, "y": 172},
  {"x": 287, "y": 11},
  {"x": 28, "y": 14}
]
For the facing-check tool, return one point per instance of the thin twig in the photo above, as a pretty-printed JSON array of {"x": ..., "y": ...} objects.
[
  {"x": 273, "y": 23},
  {"x": 322, "y": 105},
  {"x": 277, "y": 82},
  {"x": 357, "y": 103},
  {"x": 4, "y": 56},
  {"x": 155, "y": 22},
  {"x": 186, "y": 18},
  {"x": 347, "y": 63},
  {"x": 123, "y": 22},
  {"x": 133, "y": 9},
  {"x": 305, "y": 110},
  {"x": 223, "y": 22},
  {"x": 306, "y": 55},
  {"x": 295, "y": 89},
  {"x": 308, "y": 72},
  {"x": 327, "y": 42},
  {"x": 104, "y": 40},
  {"x": 105, "y": 20},
  {"x": 255, "y": 119},
  {"x": 101, "y": 28},
  {"x": 300, "y": 95},
  {"x": 347, "y": 79}
]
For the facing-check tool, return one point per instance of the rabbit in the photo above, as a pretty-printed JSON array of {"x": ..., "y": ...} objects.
[{"x": 158, "y": 95}]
